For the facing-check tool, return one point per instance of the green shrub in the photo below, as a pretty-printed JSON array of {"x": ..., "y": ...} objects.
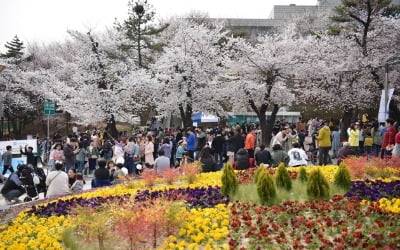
[
  {"x": 259, "y": 170},
  {"x": 342, "y": 177},
  {"x": 303, "y": 175},
  {"x": 283, "y": 179},
  {"x": 229, "y": 182},
  {"x": 317, "y": 186},
  {"x": 266, "y": 188}
]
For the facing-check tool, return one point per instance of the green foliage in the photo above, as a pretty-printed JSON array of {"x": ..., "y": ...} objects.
[
  {"x": 139, "y": 28},
  {"x": 317, "y": 185},
  {"x": 14, "y": 48},
  {"x": 69, "y": 240},
  {"x": 303, "y": 175},
  {"x": 342, "y": 177},
  {"x": 392, "y": 11},
  {"x": 266, "y": 188},
  {"x": 229, "y": 182},
  {"x": 283, "y": 179},
  {"x": 259, "y": 170}
]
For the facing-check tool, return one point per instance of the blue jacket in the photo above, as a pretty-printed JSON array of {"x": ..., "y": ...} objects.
[{"x": 191, "y": 142}]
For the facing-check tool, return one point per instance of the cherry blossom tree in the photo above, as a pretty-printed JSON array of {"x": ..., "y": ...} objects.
[
  {"x": 185, "y": 72},
  {"x": 259, "y": 74}
]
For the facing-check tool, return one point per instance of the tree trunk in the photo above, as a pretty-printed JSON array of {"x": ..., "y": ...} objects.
[
  {"x": 67, "y": 121},
  {"x": 112, "y": 127},
  {"x": 270, "y": 124},
  {"x": 186, "y": 115},
  {"x": 346, "y": 121}
]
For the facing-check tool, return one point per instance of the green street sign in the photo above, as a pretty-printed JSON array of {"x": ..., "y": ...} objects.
[{"x": 49, "y": 108}]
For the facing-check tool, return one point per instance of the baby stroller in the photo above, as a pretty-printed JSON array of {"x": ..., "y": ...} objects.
[{"x": 34, "y": 182}]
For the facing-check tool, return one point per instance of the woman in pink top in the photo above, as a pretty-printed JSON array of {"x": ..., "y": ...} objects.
[{"x": 57, "y": 154}]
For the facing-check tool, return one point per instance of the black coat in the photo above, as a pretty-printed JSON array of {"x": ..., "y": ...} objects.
[
  {"x": 242, "y": 160},
  {"x": 218, "y": 144},
  {"x": 263, "y": 156},
  {"x": 236, "y": 143},
  {"x": 207, "y": 164}
]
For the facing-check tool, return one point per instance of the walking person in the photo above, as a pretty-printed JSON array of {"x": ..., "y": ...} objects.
[
  {"x": 93, "y": 155},
  {"x": 249, "y": 145},
  {"x": 149, "y": 150},
  {"x": 70, "y": 151},
  {"x": 191, "y": 142},
  {"x": 7, "y": 157},
  {"x": 335, "y": 142},
  {"x": 324, "y": 143}
]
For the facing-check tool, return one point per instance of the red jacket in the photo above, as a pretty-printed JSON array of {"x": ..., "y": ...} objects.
[
  {"x": 397, "y": 138},
  {"x": 250, "y": 141},
  {"x": 389, "y": 137}
]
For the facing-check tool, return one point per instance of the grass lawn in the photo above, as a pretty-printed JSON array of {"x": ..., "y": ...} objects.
[{"x": 248, "y": 193}]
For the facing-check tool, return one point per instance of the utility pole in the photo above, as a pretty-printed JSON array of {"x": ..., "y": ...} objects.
[{"x": 386, "y": 89}]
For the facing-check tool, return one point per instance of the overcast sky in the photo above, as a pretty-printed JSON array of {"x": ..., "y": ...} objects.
[{"x": 48, "y": 20}]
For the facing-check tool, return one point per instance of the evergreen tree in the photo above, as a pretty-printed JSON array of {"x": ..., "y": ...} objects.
[
  {"x": 139, "y": 29},
  {"x": 359, "y": 15},
  {"x": 229, "y": 182},
  {"x": 283, "y": 179},
  {"x": 14, "y": 49}
]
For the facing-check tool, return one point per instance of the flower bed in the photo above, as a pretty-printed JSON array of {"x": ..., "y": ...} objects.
[
  {"x": 338, "y": 223},
  {"x": 197, "y": 215},
  {"x": 374, "y": 190}
]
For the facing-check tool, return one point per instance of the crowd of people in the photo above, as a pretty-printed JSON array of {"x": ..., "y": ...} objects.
[{"x": 110, "y": 161}]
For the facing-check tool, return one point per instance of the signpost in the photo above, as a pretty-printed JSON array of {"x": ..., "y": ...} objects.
[{"x": 49, "y": 110}]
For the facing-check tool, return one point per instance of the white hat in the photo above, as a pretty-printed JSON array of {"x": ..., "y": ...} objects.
[
  {"x": 139, "y": 167},
  {"x": 124, "y": 170},
  {"x": 120, "y": 160}
]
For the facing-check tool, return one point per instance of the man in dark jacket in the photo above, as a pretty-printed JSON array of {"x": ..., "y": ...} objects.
[
  {"x": 13, "y": 189},
  {"x": 218, "y": 147},
  {"x": 263, "y": 156},
  {"x": 31, "y": 158},
  {"x": 236, "y": 142},
  {"x": 70, "y": 150}
]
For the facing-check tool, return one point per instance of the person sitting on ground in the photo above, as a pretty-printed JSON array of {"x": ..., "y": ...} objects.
[
  {"x": 263, "y": 156},
  {"x": 101, "y": 175},
  {"x": 161, "y": 163},
  {"x": 242, "y": 159},
  {"x": 12, "y": 188},
  {"x": 57, "y": 182},
  {"x": 120, "y": 174},
  {"x": 297, "y": 155},
  {"x": 186, "y": 158},
  {"x": 345, "y": 151},
  {"x": 111, "y": 169},
  {"x": 207, "y": 160},
  {"x": 78, "y": 184},
  {"x": 71, "y": 176},
  {"x": 278, "y": 156}
]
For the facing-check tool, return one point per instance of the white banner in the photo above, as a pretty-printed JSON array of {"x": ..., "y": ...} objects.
[
  {"x": 16, "y": 145},
  {"x": 381, "y": 115}
]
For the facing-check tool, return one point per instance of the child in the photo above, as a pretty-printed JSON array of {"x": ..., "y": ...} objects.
[
  {"x": 78, "y": 184},
  {"x": 368, "y": 141},
  {"x": 179, "y": 153}
]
